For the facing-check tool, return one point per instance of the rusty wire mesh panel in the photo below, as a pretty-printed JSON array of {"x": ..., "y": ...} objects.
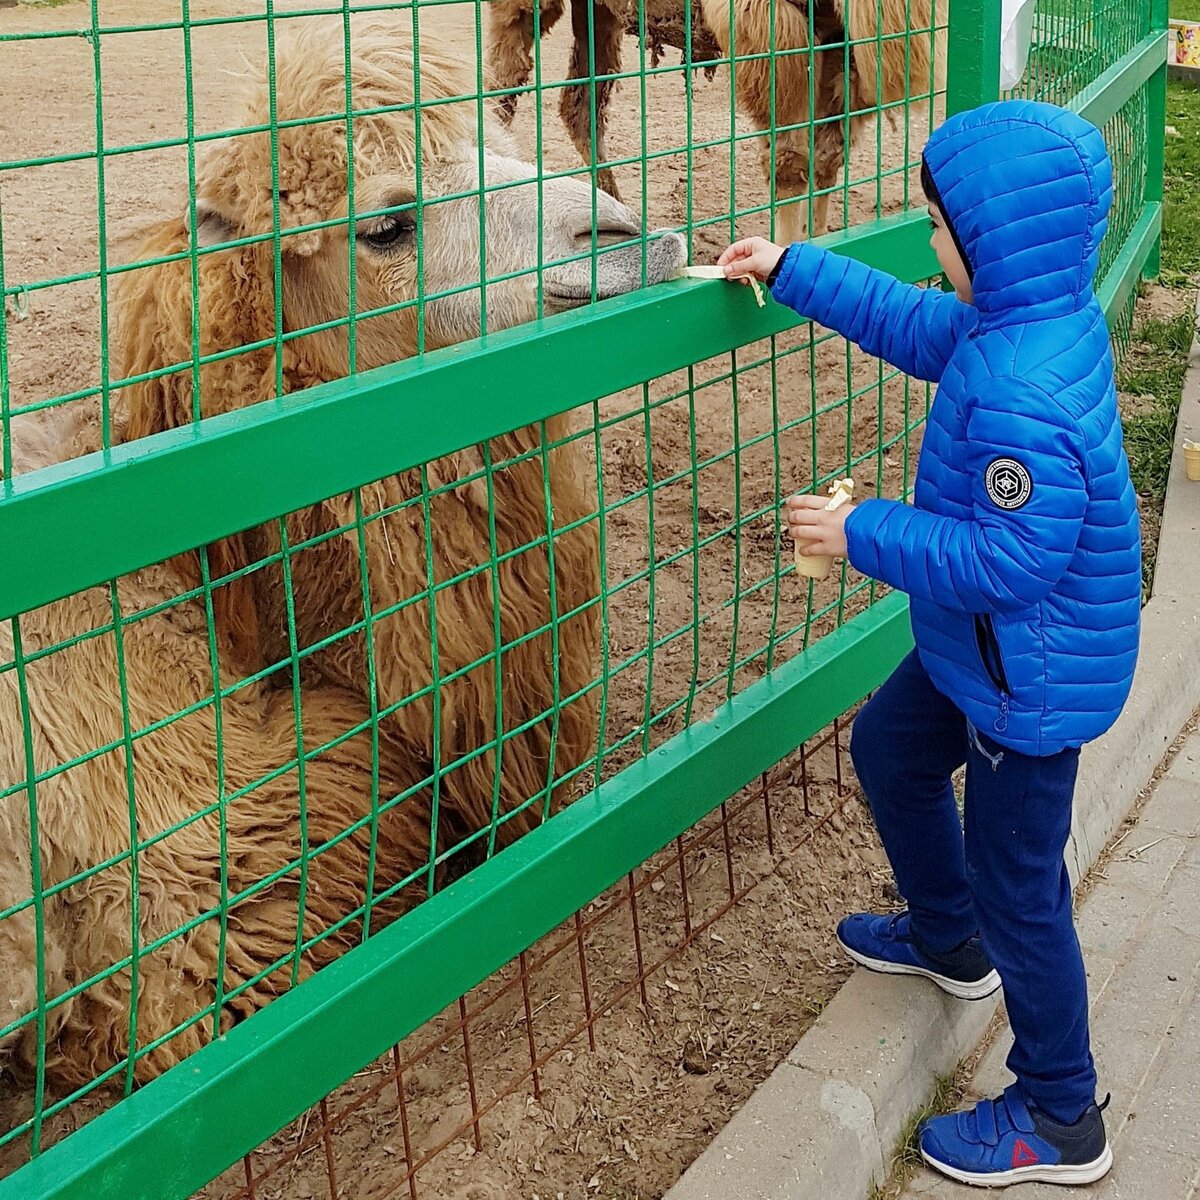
[{"x": 677, "y": 990}]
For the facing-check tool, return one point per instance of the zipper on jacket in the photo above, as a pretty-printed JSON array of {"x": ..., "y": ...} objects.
[{"x": 993, "y": 664}]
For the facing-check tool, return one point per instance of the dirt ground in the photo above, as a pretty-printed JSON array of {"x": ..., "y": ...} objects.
[
  {"x": 621, "y": 1122},
  {"x": 623, "y": 1119}
]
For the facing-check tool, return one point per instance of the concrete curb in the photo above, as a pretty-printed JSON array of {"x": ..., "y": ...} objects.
[{"x": 824, "y": 1125}]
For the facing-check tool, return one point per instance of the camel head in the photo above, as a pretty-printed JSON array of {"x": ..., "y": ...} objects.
[
  {"x": 412, "y": 250},
  {"x": 416, "y": 235}
]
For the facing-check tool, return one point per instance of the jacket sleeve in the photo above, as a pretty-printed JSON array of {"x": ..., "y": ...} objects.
[
  {"x": 915, "y": 329},
  {"x": 1028, "y": 497}
]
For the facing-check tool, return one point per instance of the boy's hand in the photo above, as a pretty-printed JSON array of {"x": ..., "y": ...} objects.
[
  {"x": 817, "y": 530},
  {"x": 751, "y": 257}
]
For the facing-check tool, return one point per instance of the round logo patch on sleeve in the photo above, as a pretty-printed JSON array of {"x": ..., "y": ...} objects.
[{"x": 1008, "y": 483}]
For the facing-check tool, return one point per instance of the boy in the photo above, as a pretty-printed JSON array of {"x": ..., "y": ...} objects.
[{"x": 1021, "y": 556}]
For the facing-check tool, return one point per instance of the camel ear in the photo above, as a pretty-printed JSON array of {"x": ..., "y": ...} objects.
[{"x": 153, "y": 310}]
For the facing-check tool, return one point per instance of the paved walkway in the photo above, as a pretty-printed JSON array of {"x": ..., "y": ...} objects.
[{"x": 1140, "y": 929}]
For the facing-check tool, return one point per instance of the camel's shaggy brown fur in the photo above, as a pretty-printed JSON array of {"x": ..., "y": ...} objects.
[
  {"x": 74, "y": 698},
  {"x": 510, "y": 59},
  {"x": 883, "y": 69}
]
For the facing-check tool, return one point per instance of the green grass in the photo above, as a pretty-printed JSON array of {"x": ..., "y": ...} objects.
[
  {"x": 1185, "y": 10},
  {"x": 1181, "y": 219},
  {"x": 906, "y": 1158},
  {"x": 1153, "y": 371}
]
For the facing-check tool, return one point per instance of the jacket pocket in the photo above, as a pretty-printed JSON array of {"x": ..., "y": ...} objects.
[{"x": 989, "y": 653}]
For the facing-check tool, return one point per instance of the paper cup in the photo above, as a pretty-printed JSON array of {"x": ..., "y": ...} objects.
[
  {"x": 813, "y": 566},
  {"x": 1191, "y": 460},
  {"x": 818, "y": 566}
]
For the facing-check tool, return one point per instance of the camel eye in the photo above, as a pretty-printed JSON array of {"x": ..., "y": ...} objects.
[{"x": 388, "y": 233}]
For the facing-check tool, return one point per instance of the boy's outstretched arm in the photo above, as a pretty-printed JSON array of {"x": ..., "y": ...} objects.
[
  {"x": 1028, "y": 496},
  {"x": 915, "y": 329}
]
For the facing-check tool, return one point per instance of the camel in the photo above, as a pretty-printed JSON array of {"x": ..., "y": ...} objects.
[
  {"x": 510, "y": 37},
  {"x": 882, "y": 67},
  {"x": 354, "y": 763}
]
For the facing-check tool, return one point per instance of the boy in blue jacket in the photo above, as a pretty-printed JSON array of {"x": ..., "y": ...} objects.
[{"x": 1021, "y": 557}]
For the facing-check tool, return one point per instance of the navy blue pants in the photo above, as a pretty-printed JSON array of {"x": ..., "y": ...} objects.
[{"x": 999, "y": 872}]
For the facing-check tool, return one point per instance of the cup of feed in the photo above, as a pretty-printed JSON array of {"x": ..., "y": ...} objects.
[
  {"x": 1191, "y": 460},
  {"x": 818, "y": 566}
]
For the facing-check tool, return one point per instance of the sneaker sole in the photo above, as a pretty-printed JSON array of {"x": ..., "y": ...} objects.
[
  {"x": 1064, "y": 1176},
  {"x": 979, "y": 989}
]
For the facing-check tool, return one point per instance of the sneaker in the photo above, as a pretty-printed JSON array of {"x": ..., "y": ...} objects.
[
  {"x": 886, "y": 944},
  {"x": 1004, "y": 1141}
]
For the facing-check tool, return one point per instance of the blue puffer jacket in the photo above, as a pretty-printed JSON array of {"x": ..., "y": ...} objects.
[{"x": 1021, "y": 551}]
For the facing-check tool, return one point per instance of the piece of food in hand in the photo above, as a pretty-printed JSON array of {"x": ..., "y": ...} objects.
[
  {"x": 818, "y": 566},
  {"x": 719, "y": 273}
]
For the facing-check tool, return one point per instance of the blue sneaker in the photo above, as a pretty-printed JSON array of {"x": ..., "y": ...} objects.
[
  {"x": 886, "y": 944},
  {"x": 1004, "y": 1141}
]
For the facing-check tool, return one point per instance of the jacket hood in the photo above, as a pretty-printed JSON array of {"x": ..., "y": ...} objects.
[{"x": 1026, "y": 188}]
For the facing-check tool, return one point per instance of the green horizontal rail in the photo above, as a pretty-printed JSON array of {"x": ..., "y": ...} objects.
[
  {"x": 1109, "y": 92},
  {"x": 1126, "y": 271},
  {"x": 173, "y": 1136},
  {"x": 112, "y": 512}
]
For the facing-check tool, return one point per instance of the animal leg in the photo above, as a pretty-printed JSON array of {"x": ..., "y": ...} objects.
[
  {"x": 19, "y": 994},
  {"x": 576, "y": 107},
  {"x": 19, "y": 990},
  {"x": 511, "y": 29},
  {"x": 827, "y": 165},
  {"x": 796, "y": 175},
  {"x": 791, "y": 184},
  {"x": 790, "y": 223},
  {"x": 830, "y": 136},
  {"x": 785, "y": 155}
]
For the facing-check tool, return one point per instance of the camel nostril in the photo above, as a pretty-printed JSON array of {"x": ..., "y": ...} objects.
[
  {"x": 609, "y": 231},
  {"x": 606, "y": 237}
]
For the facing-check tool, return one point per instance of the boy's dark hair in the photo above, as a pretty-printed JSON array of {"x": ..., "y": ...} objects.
[
  {"x": 932, "y": 197},
  {"x": 927, "y": 184}
]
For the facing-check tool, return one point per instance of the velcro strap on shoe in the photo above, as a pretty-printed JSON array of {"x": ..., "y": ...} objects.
[
  {"x": 985, "y": 1117},
  {"x": 1018, "y": 1111}
]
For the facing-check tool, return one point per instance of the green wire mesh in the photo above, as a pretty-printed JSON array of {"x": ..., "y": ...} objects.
[
  {"x": 311, "y": 725},
  {"x": 1076, "y": 41}
]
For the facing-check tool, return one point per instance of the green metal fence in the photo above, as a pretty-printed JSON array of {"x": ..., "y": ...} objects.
[{"x": 468, "y": 635}]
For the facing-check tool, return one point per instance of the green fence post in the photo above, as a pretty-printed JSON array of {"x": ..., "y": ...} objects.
[
  {"x": 1156, "y": 123},
  {"x": 972, "y": 54},
  {"x": 972, "y": 59}
]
